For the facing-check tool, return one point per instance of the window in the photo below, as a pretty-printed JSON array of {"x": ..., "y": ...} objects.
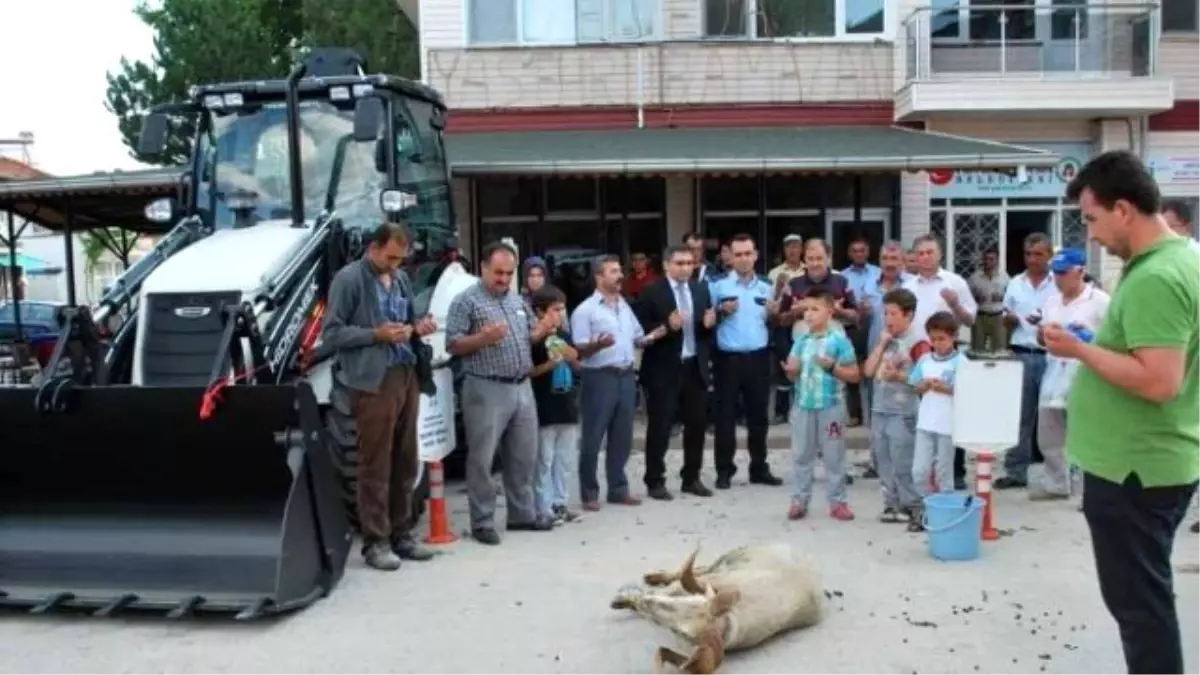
[
  {"x": 1179, "y": 16},
  {"x": 561, "y": 22},
  {"x": 1070, "y": 22},
  {"x": 985, "y": 22},
  {"x": 793, "y": 19}
]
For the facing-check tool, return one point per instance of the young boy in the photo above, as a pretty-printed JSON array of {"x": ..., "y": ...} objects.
[
  {"x": 820, "y": 361},
  {"x": 894, "y": 404},
  {"x": 553, "y": 381},
  {"x": 933, "y": 380}
]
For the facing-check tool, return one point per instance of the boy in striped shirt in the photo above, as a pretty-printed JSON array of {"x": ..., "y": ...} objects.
[{"x": 821, "y": 361}]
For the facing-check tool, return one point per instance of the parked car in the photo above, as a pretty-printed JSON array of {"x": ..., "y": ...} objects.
[{"x": 39, "y": 326}]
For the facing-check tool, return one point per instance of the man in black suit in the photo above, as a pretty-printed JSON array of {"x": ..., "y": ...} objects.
[{"x": 675, "y": 371}]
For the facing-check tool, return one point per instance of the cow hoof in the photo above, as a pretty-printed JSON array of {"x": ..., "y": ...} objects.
[
  {"x": 626, "y": 597},
  {"x": 659, "y": 578}
]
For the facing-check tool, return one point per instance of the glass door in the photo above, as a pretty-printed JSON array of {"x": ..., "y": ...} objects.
[
  {"x": 841, "y": 229},
  {"x": 971, "y": 233}
]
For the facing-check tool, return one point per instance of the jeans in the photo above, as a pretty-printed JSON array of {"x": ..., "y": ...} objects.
[
  {"x": 558, "y": 454},
  {"x": 893, "y": 443},
  {"x": 822, "y": 430},
  {"x": 933, "y": 458},
  {"x": 1133, "y": 533},
  {"x": 1017, "y": 460}
]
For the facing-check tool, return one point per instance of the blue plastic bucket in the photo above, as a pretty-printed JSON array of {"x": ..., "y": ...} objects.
[{"x": 953, "y": 522}]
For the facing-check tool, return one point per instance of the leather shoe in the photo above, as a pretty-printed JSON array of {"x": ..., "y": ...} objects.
[
  {"x": 486, "y": 535},
  {"x": 408, "y": 549},
  {"x": 766, "y": 479},
  {"x": 537, "y": 525},
  {"x": 724, "y": 482},
  {"x": 696, "y": 488},
  {"x": 660, "y": 493}
]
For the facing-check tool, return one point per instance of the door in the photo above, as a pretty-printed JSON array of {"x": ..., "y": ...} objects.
[
  {"x": 972, "y": 232},
  {"x": 1019, "y": 225},
  {"x": 841, "y": 229}
]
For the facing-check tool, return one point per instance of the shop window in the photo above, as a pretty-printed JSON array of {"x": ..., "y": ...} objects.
[
  {"x": 879, "y": 190},
  {"x": 724, "y": 228},
  {"x": 504, "y": 197},
  {"x": 840, "y": 192},
  {"x": 634, "y": 195},
  {"x": 786, "y": 193},
  {"x": 638, "y": 234},
  {"x": 845, "y": 233},
  {"x": 521, "y": 233},
  {"x": 729, "y": 194},
  {"x": 571, "y": 195}
]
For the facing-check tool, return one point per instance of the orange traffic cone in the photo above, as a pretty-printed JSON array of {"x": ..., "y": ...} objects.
[
  {"x": 439, "y": 519},
  {"x": 983, "y": 490}
]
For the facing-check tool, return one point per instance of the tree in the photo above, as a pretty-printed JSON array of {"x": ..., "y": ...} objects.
[{"x": 208, "y": 41}]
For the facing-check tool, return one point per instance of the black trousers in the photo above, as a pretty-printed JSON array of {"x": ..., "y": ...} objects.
[
  {"x": 685, "y": 399},
  {"x": 1133, "y": 533},
  {"x": 745, "y": 378},
  {"x": 858, "y": 338},
  {"x": 781, "y": 344}
]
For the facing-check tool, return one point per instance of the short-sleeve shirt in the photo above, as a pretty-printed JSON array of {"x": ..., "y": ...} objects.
[
  {"x": 1155, "y": 305},
  {"x": 475, "y": 308},
  {"x": 834, "y": 283},
  {"x": 595, "y": 316},
  {"x": 553, "y": 407},
  {"x": 935, "y": 414},
  {"x": 929, "y": 296},
  {"x": 746, "y": 329},
  {"x": 902, "y": 354},
  {"x": 816, "y": 388},
  {"x": 1023, "y": 298}
]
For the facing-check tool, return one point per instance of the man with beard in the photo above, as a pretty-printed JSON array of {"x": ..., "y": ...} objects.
[
  {"x": 1131, "y": 411},
  {"x": 607, "y": 336}
]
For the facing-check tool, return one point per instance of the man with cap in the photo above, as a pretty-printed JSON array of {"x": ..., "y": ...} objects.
[
  {"x": 779, "y": 277},
  {"x": 1079, "y": 306}
]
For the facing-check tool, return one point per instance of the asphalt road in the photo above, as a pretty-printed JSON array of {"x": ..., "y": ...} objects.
[{"x": 539, "y": 602}]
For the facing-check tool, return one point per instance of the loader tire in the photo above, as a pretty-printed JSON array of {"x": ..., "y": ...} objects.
[{"x": 343, "y": 448}]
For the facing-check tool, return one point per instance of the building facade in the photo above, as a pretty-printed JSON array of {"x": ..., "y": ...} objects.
[{"x": 619, "y": 125}]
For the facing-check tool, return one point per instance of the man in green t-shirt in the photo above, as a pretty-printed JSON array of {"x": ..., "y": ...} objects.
[{"x": 1133, "y": 425}]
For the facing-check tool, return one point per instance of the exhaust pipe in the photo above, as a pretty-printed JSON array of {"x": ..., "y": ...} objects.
[{"x": 293, "y": 133}]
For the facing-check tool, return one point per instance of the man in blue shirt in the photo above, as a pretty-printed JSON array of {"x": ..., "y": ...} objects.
[
  {"x": 860, "y": 274},
  {"x": 742, "y": 363}
]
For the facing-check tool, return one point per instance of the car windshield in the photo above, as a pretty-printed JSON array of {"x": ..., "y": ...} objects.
[{"x": 32, "y": 312}]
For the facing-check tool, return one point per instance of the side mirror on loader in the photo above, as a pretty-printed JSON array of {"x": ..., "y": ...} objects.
[
  {"x": 368, "y": 117},
  {"x": 153, "y": 139}
]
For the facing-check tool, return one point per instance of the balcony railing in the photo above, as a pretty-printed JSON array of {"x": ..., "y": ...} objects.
[{"x": 1059, "y": 40}]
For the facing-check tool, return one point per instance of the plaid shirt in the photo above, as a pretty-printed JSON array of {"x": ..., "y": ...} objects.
[{"x": 476, "y": 307}]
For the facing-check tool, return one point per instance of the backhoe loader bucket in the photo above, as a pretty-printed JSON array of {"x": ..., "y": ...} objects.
[{"x": 128, "y": 500}]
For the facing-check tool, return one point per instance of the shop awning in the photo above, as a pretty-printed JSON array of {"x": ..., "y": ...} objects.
[
  {"x": 28, "y": 264},
  {"x": 731, "y": 149}
]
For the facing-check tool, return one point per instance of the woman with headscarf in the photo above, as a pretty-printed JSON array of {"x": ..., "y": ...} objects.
[{"x": 534, "y": 278}]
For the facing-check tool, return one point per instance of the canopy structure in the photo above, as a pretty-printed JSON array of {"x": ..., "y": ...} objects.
[
  {"x": 748, "y": 149},
  {"x": 90, "y": 201}
]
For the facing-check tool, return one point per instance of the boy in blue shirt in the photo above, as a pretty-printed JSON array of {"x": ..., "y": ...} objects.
[{"x": 821, "y": 361}]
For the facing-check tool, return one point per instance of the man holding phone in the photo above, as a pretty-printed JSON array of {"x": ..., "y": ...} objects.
[
  {"x": 369, "y": 322},
  {"x": 746, "y": 309},
  {"x": 1024, "y": 298}
]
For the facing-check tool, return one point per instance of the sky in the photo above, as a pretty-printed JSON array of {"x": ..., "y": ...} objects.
[{"x": 53, "y": 58}]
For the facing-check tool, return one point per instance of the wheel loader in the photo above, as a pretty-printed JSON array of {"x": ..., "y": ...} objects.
[{"x": 200, "y": 458}]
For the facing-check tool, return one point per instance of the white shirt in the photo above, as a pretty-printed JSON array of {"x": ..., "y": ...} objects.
[
  {"x": 1023, "y": 299},
  {"x": 930, "y": 300},
  {"x": 935, "y": 413},
  {"x": 1087, "y": 309}
]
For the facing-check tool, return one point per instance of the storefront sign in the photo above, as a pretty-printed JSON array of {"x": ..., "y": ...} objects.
[
  {"x": 1045, "y": 182},
  {"x": 1175, "y": 171}
]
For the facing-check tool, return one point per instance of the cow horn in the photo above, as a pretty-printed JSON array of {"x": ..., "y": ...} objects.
[{"x": 687, "y": 576}]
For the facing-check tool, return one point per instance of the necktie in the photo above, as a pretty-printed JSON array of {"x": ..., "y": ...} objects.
[{"x": 683, "y": 301}]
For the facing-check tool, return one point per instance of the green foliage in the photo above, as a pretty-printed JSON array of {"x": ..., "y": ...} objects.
[{"x": 210, "y": 41}]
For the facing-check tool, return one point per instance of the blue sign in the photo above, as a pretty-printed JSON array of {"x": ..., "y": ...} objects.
[{"x": 1045, "y": 182}]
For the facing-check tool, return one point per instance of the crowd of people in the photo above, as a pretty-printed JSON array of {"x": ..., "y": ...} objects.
[{"x": 876, "y": 344}]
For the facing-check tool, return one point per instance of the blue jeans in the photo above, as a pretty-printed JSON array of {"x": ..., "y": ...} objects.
[
  {"x": 558, "y": 453},
  {"x": 1017, "y": 459}
]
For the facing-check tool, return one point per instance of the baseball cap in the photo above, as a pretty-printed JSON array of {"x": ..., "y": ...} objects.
[
  {"x": 793, "y": 239},
  {"x": 1067, "y": 259}
]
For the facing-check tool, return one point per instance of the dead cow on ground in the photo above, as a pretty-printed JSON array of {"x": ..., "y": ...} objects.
[{"x": 747, "y": 596}]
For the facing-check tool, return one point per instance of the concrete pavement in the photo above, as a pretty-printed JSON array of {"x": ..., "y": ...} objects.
[{"x": 539, "y": 602}]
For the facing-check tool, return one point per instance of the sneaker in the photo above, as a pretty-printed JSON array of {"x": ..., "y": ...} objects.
[
  {"x": 891, "y": 515},
  {"x": 564, "y": 515},
  {"x": 380, "y": 556},
  {"x": 797, "y": 511},
  {"x": 841, "y": 512},
  {"x": 870, "y": 473},
  {"x": 408, "y": 549},
  {"x": 916, "y": 520}
]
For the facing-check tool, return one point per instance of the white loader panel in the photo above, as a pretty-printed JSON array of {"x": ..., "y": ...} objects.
[
  {"x": 229, "y": 260},
  {"x": 454, "y": 280}
]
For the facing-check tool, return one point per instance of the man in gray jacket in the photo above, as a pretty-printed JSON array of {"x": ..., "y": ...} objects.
[{"x": 369, "y": 322}]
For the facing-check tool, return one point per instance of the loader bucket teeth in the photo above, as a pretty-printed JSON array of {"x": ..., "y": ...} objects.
[{"x": 129, "y": 501}]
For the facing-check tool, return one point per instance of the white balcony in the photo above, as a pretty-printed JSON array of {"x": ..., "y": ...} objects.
[{"x": 1085, "y": 59}]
